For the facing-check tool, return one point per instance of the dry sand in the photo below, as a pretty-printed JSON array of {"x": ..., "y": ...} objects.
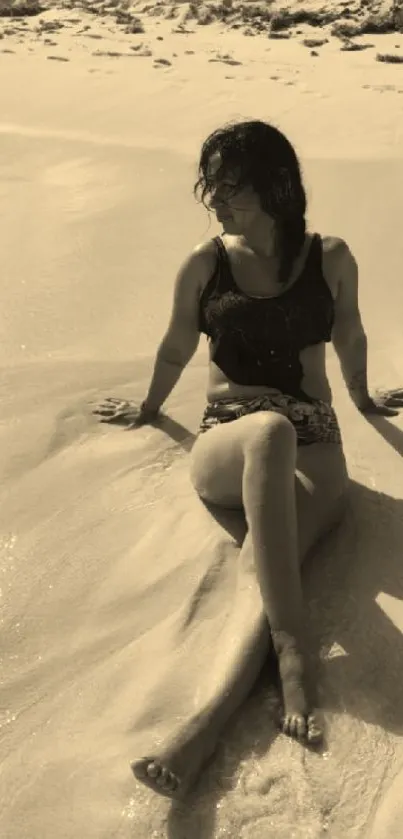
[{"x": 115, "y": 582}]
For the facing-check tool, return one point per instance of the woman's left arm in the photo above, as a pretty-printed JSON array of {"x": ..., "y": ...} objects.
[{"x": 348, "y": 335}]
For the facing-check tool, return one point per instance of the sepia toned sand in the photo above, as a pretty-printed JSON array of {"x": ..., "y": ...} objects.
[{"x": 121, "y": 598}]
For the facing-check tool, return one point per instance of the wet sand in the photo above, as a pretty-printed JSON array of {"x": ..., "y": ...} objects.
[{"x": 104, "y": 548}]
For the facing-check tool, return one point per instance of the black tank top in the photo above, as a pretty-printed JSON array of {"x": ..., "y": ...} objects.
[{"x": 257, "y": 341}]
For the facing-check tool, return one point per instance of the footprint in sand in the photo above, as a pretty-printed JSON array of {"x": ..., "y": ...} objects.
[
  {"x": 350, "y": 46},
  {"x": 162, "y": 62},
  {"x": 381, "y": 88},
  {"x": 109, "y": 53},
  {"x": 141, "y": 51},
  {"x": 57, "y": 58},
  {"x": 49, "y": 26},
  {"x": 181, "y": 29},
  {"x": 389, "y": 58},
  {"x": 279, "y": 36},
  {"x": 312, "y": 43},
  {"x": 225, "y": 59},
  {"x": 286, "y": 82}
]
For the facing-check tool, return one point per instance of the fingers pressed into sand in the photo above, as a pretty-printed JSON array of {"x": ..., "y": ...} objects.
[
  {"x": 112, "y": 404},
  {"x": 392, "y": 398},
  {"x": 107, "y": 402},
  {"x": 111, "y": 414},
  {"x": 113, "y": 400},
  {"x": 103, "y": 412}
]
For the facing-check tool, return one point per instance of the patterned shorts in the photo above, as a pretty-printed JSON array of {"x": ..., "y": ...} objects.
[{"x": 314, "y": 421}]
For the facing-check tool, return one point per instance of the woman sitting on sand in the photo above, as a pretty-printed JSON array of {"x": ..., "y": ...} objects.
[{"x": 269, "y": 295}]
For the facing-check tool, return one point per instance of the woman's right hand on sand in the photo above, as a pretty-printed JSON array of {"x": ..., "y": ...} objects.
[{"x": 123, "y": 412}]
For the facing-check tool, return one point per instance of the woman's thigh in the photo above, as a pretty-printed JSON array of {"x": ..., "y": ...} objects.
[
  {"x": 218, "y": 456},
  {"x": 321, "y": 491},
  {"x": 321, "y": 478}
]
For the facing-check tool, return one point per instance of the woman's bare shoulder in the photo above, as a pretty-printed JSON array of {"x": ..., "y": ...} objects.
[
  {"x": 337, "y": 257},
  {"x": 333, "y": 246},
  {"x": 194, "y": 273},
  {"x": 206, "y": 251},
  {"x": 204, "y": 256}
]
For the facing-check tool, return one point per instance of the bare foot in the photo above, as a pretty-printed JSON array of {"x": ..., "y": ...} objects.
[
  {"x": 175, "y": 768},
  {"x": 298, "y": 720}
]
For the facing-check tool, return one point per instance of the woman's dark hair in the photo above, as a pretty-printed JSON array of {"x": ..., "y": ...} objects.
[{"x": 260, "y": 156}]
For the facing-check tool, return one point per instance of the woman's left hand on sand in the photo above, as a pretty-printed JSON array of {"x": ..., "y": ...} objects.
[{"x": 123, "y": 412}]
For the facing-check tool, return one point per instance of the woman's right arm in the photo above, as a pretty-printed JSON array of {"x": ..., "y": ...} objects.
[{"x": 181, "y": 339}]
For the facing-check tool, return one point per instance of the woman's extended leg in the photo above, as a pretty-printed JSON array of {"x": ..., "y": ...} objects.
[{"x": 291, "y": 497}]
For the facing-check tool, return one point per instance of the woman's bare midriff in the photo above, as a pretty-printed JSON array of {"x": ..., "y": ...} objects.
[{"x": 314, "y": 383}]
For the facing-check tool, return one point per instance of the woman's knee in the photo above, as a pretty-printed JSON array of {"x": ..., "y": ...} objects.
[
  {"x": 216, "y": 464},
  {"x": 270, "y": 433},
  {"x": 221, "y": 456}
]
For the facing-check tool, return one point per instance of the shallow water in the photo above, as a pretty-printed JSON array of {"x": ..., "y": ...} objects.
[{"x": 108, "y": 638}]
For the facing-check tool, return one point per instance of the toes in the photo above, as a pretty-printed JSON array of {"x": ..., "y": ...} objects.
[
  {"x": 302, "y": 728},
  {"x": 154, "y": 771},
  {"x": 139, "y": 768},
  {"x": 158, "y": 777},
  {"x": 294, "y": 725},
  {"x": 167, "y": 780},
  {"x": 315, "y": 731}
]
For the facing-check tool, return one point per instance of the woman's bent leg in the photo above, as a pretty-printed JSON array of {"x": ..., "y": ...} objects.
[
  {"x": 290, "y": 496},
  {"x": 312, "y": 481}
]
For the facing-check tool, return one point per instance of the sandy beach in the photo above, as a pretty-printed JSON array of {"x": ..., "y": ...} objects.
[{"x": 115, "y": 583}]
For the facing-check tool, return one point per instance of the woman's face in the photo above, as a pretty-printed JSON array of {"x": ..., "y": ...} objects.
[{"x": 237, "y": 212}]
